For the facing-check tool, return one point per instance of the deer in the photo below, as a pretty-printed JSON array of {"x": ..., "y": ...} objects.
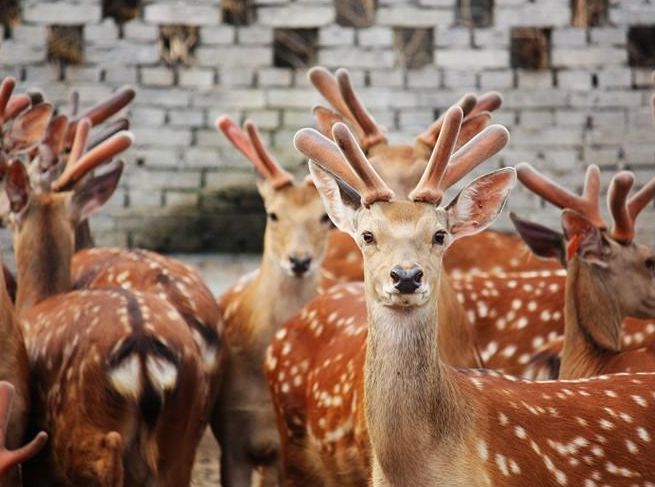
[
  {"x": 294, "y": 246},
  {"x": 429, "y": 423},
  {"x": 123, "y": 360},
  {"x": 402, "y": 166},
  {"x": 9, "y": 459},
  {"x": 596, "y": 257},
  {"x": 301, "y": 360}
]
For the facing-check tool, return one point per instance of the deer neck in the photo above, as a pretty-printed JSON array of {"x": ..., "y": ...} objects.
[
  {"x": 455, "y": 333},
  {"x": 83, "y": 237},
  {"x": 43, "y": 268},
  {"x": 592, "y": 327},
  {"x": 410, "y": 398}
]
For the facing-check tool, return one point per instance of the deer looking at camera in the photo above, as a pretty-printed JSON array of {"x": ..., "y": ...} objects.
[
  {"x": 597, "y": 259},
  {"x": 430, "y": 424},
  {"x": 320, "y": 349},
  {"x": 288, "y": 277},
  {"x": 402, "y": 165},
  {"x": 112, "y": 369}
]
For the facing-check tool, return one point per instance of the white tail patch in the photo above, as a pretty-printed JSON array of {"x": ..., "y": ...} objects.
[
  {"x": 126, "y": 377},
  {"x": 207, "y": 352},
  {"x": 162, "y": 373}
]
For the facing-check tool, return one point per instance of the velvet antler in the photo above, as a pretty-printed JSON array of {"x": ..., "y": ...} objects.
[{"x": 625, "y": 210}]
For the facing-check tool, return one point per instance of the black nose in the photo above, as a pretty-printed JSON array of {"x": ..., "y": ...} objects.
[
  {"x": 406, "y": 281},
  {"x": 300, "y": 265}
]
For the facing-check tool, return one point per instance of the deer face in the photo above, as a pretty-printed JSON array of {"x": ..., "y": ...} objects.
[{"x": 296, "y": 229}]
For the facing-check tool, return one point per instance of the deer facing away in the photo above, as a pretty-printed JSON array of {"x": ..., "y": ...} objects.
[{"x": 430, "y": 424}]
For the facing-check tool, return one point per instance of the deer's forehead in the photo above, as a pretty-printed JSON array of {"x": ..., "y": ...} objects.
[
  {"x": 397, "y": 216},
  {"x": 295, "y": 198}
]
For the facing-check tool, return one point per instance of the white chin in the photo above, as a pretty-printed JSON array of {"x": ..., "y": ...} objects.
[{"x": 406, "y": 300}]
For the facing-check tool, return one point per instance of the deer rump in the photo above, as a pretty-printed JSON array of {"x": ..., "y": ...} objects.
[{"x": 112, "y": 342}]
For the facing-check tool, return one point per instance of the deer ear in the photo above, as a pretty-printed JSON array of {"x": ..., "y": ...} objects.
[
  {"x": 17, "y": 186},
  {"x": 94, "y": 192},
  {"x": 584, "y": 239},
  {"x": 479, "y": 204},
  {"x": 543, "y": 241},
  {"x": 340, "y": 200}
]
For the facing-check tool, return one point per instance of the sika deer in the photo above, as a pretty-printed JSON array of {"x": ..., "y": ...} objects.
[
  {"x": 294, "y": 245},
  {"x": 430, "y": 424},
  {"x": 325, "y": 441},
  {"x": 597, "y": 261},
  {"x": 112, "y": 369},
  {"x": 402, "y": 165}
]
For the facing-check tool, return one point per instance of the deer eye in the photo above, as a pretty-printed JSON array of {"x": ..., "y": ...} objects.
[
  {"x": 326, "y": 219},
  {"x": 439, "y": 237},
  {"x": 273, "y": 217},
  {"x": 368, "y": 237},
  {"x": 650, "y": 264}
]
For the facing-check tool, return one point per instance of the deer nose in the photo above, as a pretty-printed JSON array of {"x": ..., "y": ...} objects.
[
  {"x": 407, "y": 281},
  {"x": 300, "y": 265}
]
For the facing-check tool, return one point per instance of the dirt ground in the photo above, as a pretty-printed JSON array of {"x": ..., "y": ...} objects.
[{"x": 205, "y": 471}]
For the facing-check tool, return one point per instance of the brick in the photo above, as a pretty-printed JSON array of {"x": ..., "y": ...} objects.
[
  {"x": 157, "y": 76},
  {"x": 265, "y": 119},
  {"x": 274, "y": 77},
  {"x": 186, "y": 118},
  {"x": 230, "y": 98},
  {"x": 292, "y": 98},
  {"x": 574, "y": 79},
  {"x": 46, "y": 73},
  {"x": 375, "y": 37},
  {"x": 356, "y": 58},
  {"x": 33, "y": 35},
  {"x": 155, "y": 156},
  {"x": 162, "y": 136},
  {"x": 406, "y": 16},
  {"x": 476, "y": 58},
  {"x": 169, "y": 97},
  {"x": 179, "y": 198},
  {"x": 122, "y": 53},
  {"x": 196, "y": 77},
  {"x": 336, "y": 35},
  {"x": 463, "y": 79},
  {"x": 121, "y": 74},
  {"x": 534, "y": 79},
  {"x": 454, "y": 37},
  {"x": 642, "y": 77},
  {"x": 145, "y": 115},
  {"x": 387, "y": 78},
  {"x": 615, "y": 77},
  {"x": 539, "y": 14},
  {"x": 297, "y": 119},
  {"x": 224, "y": 34},
  {"x": 486, "y": 38},
  {"x": 88, "y": 74},
  {"x": 294, "y": 16},
  {"x": 13, "y": 53},
  {"x": 62, "y": 13},
  {"x": 536, "y": 118},
  {"x": 589, "y": 56},
  {"x": 571, "y": 118},
  {"x": 568, "y": 37},
  {"x": 101, "y": 33},
  {"x": 255, "y": 35},
  {"x": 201, "y": 157},
  {"x": 186, "y": 14},
  {"x": 231, "y": 77},
  {"x": 140, "y": 31},
  {"x": 234, "y": 56},
  {"x": 608, "y": 36},
  {"x": 496, "y": 80}
]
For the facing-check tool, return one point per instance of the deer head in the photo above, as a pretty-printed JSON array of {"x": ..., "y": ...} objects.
[
  {"x": 400, "y": 165},
  {"x": 297, "y": 225},
  {"x": 403, "y": 242},
  {"x": 606, "y": 260}
]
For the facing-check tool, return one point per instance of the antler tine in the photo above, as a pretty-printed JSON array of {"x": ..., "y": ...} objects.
[
  {"x": 623, "y": 228},
  {"x": 489, "y": 102},
  {"x": 106, "y": 132},
  {"x": 641, "y": 198},
  {"x": 476, "y": 151},
  {"x": 101, "y": 111},
  {"x": 430, "y": 189},
  {"x": 92, "y": 159},
  {"x": 326, "y": 154},
  {"x": 327, "y": 85},
  {"x": 6, "y": 89},
  {"x": 278, "y": 177},
  {"x": 373, "y": 133},
  {"x": 325, "y": 119},
  {"x": 53, "y": 142},
  {"x": 374, "y": 188},
  {"x": 587, "y": 204},
  {"x": 239, "y": 140},
  {"x": 16, "y": 105},
  {"x": 471, "y": 126},
  {"x": 79, "y": 142},
  {"x": 429, "y": 135}
]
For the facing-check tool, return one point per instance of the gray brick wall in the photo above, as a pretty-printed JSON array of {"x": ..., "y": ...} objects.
[{"x": 179, "y": 189}]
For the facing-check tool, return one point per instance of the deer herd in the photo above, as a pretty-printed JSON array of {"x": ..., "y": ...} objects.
[{"x": 408, "y": 346}]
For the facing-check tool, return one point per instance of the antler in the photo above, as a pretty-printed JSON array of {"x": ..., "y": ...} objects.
[
  {"x": 78, "y": 165},
  {"x": 252, "y": 147},
  {"x": 624, "y": 211},
  {"x": 430, "y": 189},
  {"x": 334, "y": 158},
  {"x": 339, "y": 92},
  {"x": 101, "y": 111},
  {"x": 587, "y": 204},
  {"x": 6, "y": 89},
  {"x": 10, "y": 459}
]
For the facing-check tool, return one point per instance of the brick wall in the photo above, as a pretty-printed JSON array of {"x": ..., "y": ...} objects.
[{"x": 186, "y": 189}]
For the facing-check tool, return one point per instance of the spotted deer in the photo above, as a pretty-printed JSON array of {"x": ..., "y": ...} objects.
[
  {"x": 294, "y": 245},
  {"x": 402, "y": 165},
  {"x": 10, "y": 459},
  {"x": 597, "y": 258},
  {"x": 112, "y": 369},
  {"x": 429, "y": 423},
  {"x": 302, "y": 361}
]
